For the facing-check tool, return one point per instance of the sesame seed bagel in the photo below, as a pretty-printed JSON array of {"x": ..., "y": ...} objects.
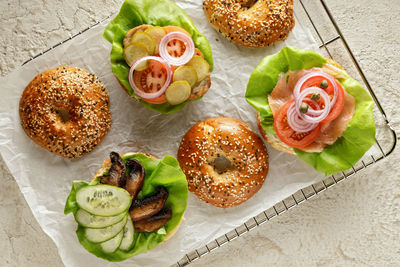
[
  {"x": 251, "y": 23},
  {"x": 224, "y": 161},
  {"x": 198, "y": 90},
  {"x": 65, "y": 110}
]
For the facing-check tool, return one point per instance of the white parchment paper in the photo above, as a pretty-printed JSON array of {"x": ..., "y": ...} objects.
[{"x": 45, "y": 179}]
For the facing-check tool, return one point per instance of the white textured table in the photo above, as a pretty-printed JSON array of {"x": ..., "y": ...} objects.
[{"x": 354, "y": 223}]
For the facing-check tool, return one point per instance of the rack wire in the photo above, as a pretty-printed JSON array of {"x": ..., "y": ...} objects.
[
  {"x": 386, "y": 140},
  {"x": 382, "y": 151}
]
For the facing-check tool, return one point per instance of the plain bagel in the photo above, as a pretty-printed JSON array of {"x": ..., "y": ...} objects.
[
  {"x": 224, "y": 161},
  {"x": 66, "y": 111},
  {"x": 251, "y": 23}
]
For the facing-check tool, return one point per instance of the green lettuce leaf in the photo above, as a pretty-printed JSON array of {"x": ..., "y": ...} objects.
[
  {"x": 165, "y": 172},
  {"x": 154, "y": 12},
  {"x": 359, "y": 135}
]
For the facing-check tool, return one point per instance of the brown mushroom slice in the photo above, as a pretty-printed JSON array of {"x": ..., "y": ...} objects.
[
  {"x": 135, "y": 177},
  {"x": 144, "y": 208},
  {"x": 154, "y": 222},
  {"x": 116, "y": 175}
]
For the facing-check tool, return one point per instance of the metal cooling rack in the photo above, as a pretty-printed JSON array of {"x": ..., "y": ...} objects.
[{"x": 332, "y": 44}]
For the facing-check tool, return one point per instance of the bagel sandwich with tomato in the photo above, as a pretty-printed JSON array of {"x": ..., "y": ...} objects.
[
  {"x": 309, "y": 106},
  {"x": 158, "y": 55}
]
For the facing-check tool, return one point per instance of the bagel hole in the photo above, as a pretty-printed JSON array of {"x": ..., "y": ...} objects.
[
  {"x": 221, "y": 164},
  {"x": 63, "y": 115}
]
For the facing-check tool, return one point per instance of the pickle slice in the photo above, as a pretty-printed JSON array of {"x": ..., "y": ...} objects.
[
  {"x": 135, "y": 51},
  {"x": 186, "y": 73},
  {"x": 178, "y": 92},
  {"x": 201, "y": 66},
  {"x": 145, "y": 39},
  {"x": 157, "y": 33}
]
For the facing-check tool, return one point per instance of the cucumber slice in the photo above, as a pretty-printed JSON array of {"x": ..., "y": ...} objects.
[
  {"x": 106, "y": 233},
  {"x": 178, "y": 92},
  {"x": 103, "y": 200},
  {"x": 186, "y": 73},
  {"x": 135, "y": 51},
  {"x": 201, "y": 66},
  {"x": 111, "y": 245},
  {"x": 157, "y": 33},
  {"x": 145, "y": 39},
  {"x": 88, "y": 220},
  {"x": 129, "y": 231}
]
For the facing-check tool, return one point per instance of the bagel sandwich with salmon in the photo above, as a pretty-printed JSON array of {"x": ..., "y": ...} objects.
[
  {"x": 309, "y": 106},
  {"x": 158, "y": 55}
]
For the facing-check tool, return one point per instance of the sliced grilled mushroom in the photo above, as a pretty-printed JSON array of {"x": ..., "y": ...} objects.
[
  {"x": 116, "y": 175},
  {"x": 144, "y": 208},
  {"x": 154, "y": 222},
  {"x": 135, "y": 177}
]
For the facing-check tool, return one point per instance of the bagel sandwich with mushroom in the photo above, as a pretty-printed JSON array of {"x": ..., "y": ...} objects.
[
  {"x": 134, "y": 202},
  {"x": 251, "y": 23},
  {"x": 158, "y": 55},
  {"x": 309, "y": 106},
  {"x": 224, "y": 161},
  {"x": 65, "y": 110}
]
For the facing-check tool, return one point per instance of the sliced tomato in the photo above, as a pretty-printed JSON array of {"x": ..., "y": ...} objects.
[
  {"x": 176, "y": 48},
  {"x": 287, "y": 135},
  {"x": 151, "y": 80},
  {"x": 169, "y": 29},
  {"x": 158, "y": 100},
  {"x": 339, "y": 104}
]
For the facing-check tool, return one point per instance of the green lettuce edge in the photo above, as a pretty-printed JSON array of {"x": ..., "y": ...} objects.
[
  {"x": 154, "y": 12},
  {"x": 165, "y": 172},
  {"x": 359, "y": 135}
]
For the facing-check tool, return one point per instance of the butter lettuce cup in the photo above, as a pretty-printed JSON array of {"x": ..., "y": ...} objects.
[
  {"x": 158, "y": 55},
  {"x": 309, "y": 106},
  {"x": 134, "y": 202}
]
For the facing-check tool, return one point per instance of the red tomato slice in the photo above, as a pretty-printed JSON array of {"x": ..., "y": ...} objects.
[
  {"x": 339, "y": 104},
  {"x": 158, "y": 100},
  {"x": 151, "y": 80},
  {"x": 288, "y": 135},
  {"x": 169, "y": 29},
  {"x": 176, "y": 48}
]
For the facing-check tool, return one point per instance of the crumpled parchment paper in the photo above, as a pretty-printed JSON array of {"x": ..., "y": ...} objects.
[{"x": 45, "y": 179}]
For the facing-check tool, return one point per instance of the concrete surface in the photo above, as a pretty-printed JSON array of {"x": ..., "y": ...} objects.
[{"x": 355, "y": 223}]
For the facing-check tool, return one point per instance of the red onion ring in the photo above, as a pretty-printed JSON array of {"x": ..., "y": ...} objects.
[
  {"x": 303, "y": 79},
  {"x": 162, "y": 90},
  {"x": 296, "y": 122},
  {"x": 187, "y": 55},
  {"x": 312, "y": 115}
]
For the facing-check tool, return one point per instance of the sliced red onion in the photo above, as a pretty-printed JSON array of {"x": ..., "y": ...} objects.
[
  {"x": 296, "y": 122},
  {"x": 187, "y": 55},
  {"x": 312, "y": 115},
  {"x": 162, "y": 90},
  {"x": 303, "y": 79}
]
